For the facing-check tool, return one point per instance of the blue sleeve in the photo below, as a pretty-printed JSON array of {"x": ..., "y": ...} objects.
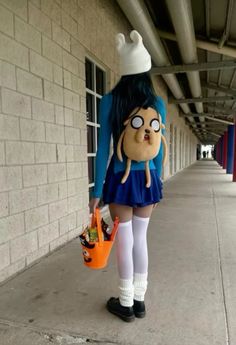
[
  {"x": 103, "y": 144},
  {"x": 161, "y": 108}
]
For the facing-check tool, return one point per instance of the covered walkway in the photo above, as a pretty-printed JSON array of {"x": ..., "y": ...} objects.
[{"x": 191, "y": 298}]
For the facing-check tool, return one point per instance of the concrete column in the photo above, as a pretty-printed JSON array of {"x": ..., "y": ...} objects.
[
  {"x": 230, "y": 150},
  {"x": 225, "y": 140},
  {"x": 234, "y": 163}
]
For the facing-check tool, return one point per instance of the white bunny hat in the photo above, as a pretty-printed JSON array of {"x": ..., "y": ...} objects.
[{"x": 134, "y": 57}]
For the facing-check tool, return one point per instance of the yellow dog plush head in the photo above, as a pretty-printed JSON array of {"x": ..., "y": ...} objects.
[{"x": 141, "y": 139}]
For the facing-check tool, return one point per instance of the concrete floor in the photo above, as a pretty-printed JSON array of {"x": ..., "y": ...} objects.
[{"x": 191, "y": 298}]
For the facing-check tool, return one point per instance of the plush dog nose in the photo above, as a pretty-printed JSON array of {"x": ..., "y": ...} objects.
[{"x": 147, "y": 131}]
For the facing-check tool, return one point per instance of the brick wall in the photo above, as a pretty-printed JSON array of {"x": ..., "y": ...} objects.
[{"x": 43, "y": 136}]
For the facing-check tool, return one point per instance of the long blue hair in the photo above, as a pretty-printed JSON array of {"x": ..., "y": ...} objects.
[{"x": 132, "y": 91}]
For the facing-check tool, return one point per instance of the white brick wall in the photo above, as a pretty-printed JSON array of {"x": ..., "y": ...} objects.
[
  {"x": 42, "y": 111},
  {"x": 9, "y": 127},
  {"x": 62, "y": 190},
  {"x": 23, "y": 245},
  {"x": 4, "y": 255},
  {"x": 29, "y": 84},
  {"x": 47, "y": 193},
  {"x": 19, "y": 152},
  {"x": 10, "y": 178},
  {"x": 28, "y": 35},
  {"x": 34, "y": 175},
  {"x": 23, "y": 199},
  {"x": 60, "y": 36},
  {"x": 3, "y": 204},
  {"x": 56, "y": 172},
  {"x": 6, "y": 21},
  {"x": 58, "y": 209},
  {"x": 2, "y": 153},
  {"x": 38, "y": 19},
  {"x": 11, "y": 227},
  {"x": 19, "y": 7},
  {"x": 45, "y": 153},
  {"x": 7, "y": 75},
  {"x": 52, "y": 9},
  {"x": 13, "y": 52},
  {"x": 55, "y": 133},
  {"x": 35, "y": 256},
  {"x": 32, "y": 130},
  {"x": 15, "y": 103},
  {"x": 41, "y": 66},
  {"x": 67, "y": 223},
  {"x": 48, "y": 233},
  {"x": 52, "y": 51},
  {"x": 53, "y": 93},
  {"x": 57, "y": 75}
]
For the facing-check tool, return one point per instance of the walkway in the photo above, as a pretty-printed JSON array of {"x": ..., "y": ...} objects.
[{"x": 192, "y": 282}]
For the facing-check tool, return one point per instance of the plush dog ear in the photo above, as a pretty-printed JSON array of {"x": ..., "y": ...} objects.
[
  {"x": 136, "y": 37},
  {"x": 126, "y": 122},
  {"x": 120, "y": 41}
]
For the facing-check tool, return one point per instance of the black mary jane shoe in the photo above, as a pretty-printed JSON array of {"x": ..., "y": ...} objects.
[
  {"x": 125, "y": 313},
  {"x": 139, "y": 309}
]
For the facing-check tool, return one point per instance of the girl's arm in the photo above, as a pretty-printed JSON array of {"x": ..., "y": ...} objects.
[
  {"x": 103, "y": 144},
  {"x": 161, "y": 108}
]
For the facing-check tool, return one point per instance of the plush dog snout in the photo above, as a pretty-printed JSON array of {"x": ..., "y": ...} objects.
[{"x": 147, "y": 131}]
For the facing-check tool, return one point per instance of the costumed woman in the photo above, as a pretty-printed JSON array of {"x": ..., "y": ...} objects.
[{"x": 134, "y": 116}]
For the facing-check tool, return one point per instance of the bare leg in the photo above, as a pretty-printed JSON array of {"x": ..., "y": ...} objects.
[
  {"x": 143, "y": 212},
  {"x": 123, "y": 212}
]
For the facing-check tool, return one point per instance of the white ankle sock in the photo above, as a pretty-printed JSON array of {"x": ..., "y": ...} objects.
[
  {"x": 126, "y": 296},
  {"x": 140, "y": 286}
]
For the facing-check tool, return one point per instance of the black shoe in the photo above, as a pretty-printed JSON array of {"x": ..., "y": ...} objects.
[
  {"x": 139, "y": 309},
  {"x": 125, "y": 313}
]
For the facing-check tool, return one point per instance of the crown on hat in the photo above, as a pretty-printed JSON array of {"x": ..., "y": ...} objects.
[{"x": 134, "y": 57}]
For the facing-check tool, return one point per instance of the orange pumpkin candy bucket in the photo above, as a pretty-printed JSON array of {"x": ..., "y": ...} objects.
[{"x": 95, "y": 248}]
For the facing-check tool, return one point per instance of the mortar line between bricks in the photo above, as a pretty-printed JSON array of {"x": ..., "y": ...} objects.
[{"x": 226, "y": 318}]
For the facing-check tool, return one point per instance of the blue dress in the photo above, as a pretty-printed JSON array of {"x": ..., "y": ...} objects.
[{"x": 133, "y": 192}]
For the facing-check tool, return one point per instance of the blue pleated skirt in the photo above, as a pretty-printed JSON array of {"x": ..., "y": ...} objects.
[{"x": 133, "y": 192}]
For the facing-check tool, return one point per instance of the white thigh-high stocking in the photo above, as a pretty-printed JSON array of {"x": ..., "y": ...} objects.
[
  {"x": 124, "y": 247},
  {"x": 140, "y": 256}
]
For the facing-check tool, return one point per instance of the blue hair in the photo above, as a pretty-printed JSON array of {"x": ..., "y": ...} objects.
[{"x": 132, "y": 91}]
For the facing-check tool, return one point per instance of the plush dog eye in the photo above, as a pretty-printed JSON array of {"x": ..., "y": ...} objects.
[
  {"x": 137, "y": 122},
  {"x": 155, "y": 124}
]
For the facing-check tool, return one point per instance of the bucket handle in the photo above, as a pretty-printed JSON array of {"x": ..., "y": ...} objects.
[{"x": 96, "y": 221}]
